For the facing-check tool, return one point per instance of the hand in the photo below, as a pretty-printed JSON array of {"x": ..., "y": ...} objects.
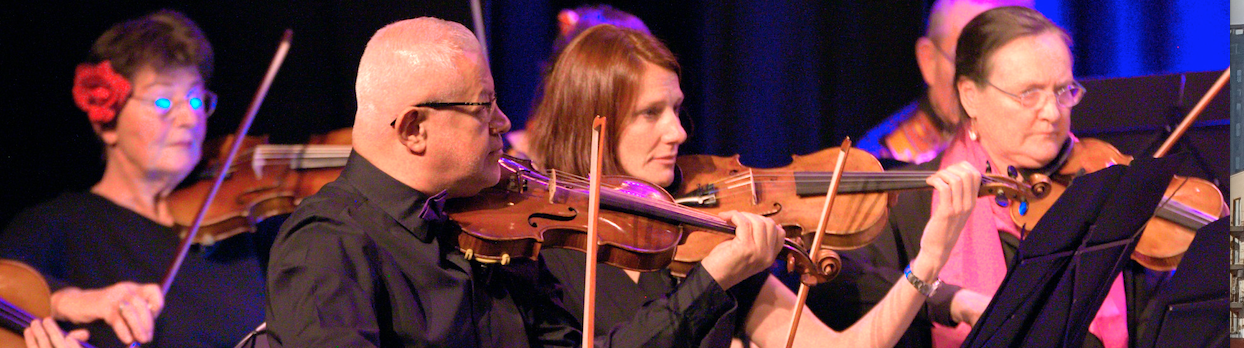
[
  {"x": 46, "y": 334},
  {"x": 967, "y": 306},
  {"x": 128, "y": 307},
  {"x": 757, "y": 241},
  {"x": 957, "y": 187}
]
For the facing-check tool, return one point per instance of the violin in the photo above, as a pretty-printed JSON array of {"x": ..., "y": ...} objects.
[
  {"x": 793, "y": 195},
  {"x": 919, "y": 138},
  {"x": 1187, "y": 205},
  {"x": 268, "y": 180},
  {"x": 24, "y": 297},
  {"x": 641, "y": 227}
]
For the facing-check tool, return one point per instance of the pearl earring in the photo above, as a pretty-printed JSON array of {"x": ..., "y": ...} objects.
[{"x": 972, "y": 129}]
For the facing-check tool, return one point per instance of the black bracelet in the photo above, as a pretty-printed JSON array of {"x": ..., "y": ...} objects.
[{"x": 921, "y": 287}]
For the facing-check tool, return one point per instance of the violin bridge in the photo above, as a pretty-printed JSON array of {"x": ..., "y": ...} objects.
[
  {"x": 258, "y": 160},
  {"x": 752, "y": 181},
  {"x": 552, "y": 186},
  {"x": 703, "y": 196}
]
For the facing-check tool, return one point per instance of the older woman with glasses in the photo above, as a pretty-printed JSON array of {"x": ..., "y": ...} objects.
[
  {"x": 1013, "y": 73},
  {"x": 144, "y": 90}
]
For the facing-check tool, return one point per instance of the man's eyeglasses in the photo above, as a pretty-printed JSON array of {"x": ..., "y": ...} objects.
[
  {"x": 205, "y": 103},
  {"x": 1067, "y": 96},
  {"x": 489, "y": 107}
]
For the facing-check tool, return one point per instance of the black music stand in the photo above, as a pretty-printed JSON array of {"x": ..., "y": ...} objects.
[
  {"x": 1188, "y": 309},
  {"x": 1174, "y": 116},
  {"x": 1065, "y": 267},
  {"x": 1136, "y": 114}
]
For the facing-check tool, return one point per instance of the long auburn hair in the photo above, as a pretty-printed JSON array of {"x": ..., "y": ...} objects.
[{"x": 597, "y": 73}]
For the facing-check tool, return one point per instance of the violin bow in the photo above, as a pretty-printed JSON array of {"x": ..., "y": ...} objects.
[
  {"x": 477, "y": 18},
  {"x": 243, "y": 128},
  {"x": 830, "y": 194},
  {"x": 1192, "y": 115},
  {"x": 591, "y": 246}
]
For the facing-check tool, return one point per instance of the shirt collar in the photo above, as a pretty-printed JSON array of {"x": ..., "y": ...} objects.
[{"x": 409, "y": 207}]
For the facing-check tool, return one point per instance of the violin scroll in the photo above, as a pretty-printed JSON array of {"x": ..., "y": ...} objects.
[
  {"x": 1012, "y": 189},
  {"x": 811, "y": 271}
]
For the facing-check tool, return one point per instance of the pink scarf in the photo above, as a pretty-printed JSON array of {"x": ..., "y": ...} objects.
[{"x": 977, "y": 263}]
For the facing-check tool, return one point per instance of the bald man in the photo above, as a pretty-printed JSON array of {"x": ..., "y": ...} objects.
[
  {"x": 370, "y": 261},
  {"x": 920, "y": 131},
  {"x": 366, "y": 262}
]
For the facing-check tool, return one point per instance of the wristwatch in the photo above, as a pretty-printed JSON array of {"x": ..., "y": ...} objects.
[{"x": 921, "y": 287}]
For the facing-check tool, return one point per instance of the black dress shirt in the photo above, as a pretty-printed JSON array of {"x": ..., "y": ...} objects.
[
  {"x": 693, "y": 313},
  {"x": 356, "y": 266},
  {"x": 363, "y": 263}
]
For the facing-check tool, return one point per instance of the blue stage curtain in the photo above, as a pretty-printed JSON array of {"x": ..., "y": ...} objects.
[{"x": 767, "y": 79}]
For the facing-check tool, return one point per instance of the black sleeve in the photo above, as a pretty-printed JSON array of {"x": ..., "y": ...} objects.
[
  {"x": 321, "y": 288},
  {"x": 894, "y": 250},
  {"x": 870, "y": 272},
  {"x": 34, "y": 238},
  {"x": 681, "y": 319},
  {"x": 539, "y": 295}
]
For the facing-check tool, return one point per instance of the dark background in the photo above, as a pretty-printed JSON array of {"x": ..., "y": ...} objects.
[{"x": 762, "y": 79}]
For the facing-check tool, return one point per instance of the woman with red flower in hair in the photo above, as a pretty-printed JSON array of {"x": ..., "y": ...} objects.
[{"x": 144, "y": 90}]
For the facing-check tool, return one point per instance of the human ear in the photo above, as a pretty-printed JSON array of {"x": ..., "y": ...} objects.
[
  {"x": 969, "y": 96},
  {"x": 107, "y": 134},
  {"x": 926, "y": 58},
  {"x": 412, "y": 130}
]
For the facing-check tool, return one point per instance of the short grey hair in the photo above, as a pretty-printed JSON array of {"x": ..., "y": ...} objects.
[
  {"x": 941, "y": 8},
  {"x": 420, "y": 47}
]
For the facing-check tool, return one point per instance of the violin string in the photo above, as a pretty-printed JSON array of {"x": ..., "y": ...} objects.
[
  {"x": 575, "y": 182},
  {"x": 1170, "y": 205},
  {"x": 856, "y": 178},
  {"x": 285, "y": 154},
  {"x": 15, "y": 314},
  {"x": 814, "y": 174},
  {"x": 18, "y": 318},
  {"x": 742, "y": 190},
  {"x": 1186, "y": 213}
]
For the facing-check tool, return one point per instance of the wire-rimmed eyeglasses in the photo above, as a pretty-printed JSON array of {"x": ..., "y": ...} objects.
[
  {"x": 489, "y": 106},
  {"x": 1067, "y": 96}
]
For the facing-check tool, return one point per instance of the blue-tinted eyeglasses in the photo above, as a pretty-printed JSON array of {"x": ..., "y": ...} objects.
[{"x": 204, "y": 103}]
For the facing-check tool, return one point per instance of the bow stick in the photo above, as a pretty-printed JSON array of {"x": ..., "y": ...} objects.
[
  {"x": 1192, "y": 115},
  {"x": 243, "y": 127},
  {"x": 830, "y": 194},
  {"x": 591, "y": 247}
]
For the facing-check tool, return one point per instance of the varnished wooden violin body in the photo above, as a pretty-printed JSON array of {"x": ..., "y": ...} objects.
[
  {"x": 793, "y": 195},
  {"x": 1187, "y": 205},
  {"x": 24, "y": 297},
  {"x": 642, "y": 228},
  {"x": 268, "y": 180}
]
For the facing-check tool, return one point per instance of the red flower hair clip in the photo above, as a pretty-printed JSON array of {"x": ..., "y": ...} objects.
[{"x": 100, "y": 91}]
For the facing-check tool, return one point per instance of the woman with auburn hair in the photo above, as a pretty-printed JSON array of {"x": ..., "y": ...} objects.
[{"x": 633, "y": 79}]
